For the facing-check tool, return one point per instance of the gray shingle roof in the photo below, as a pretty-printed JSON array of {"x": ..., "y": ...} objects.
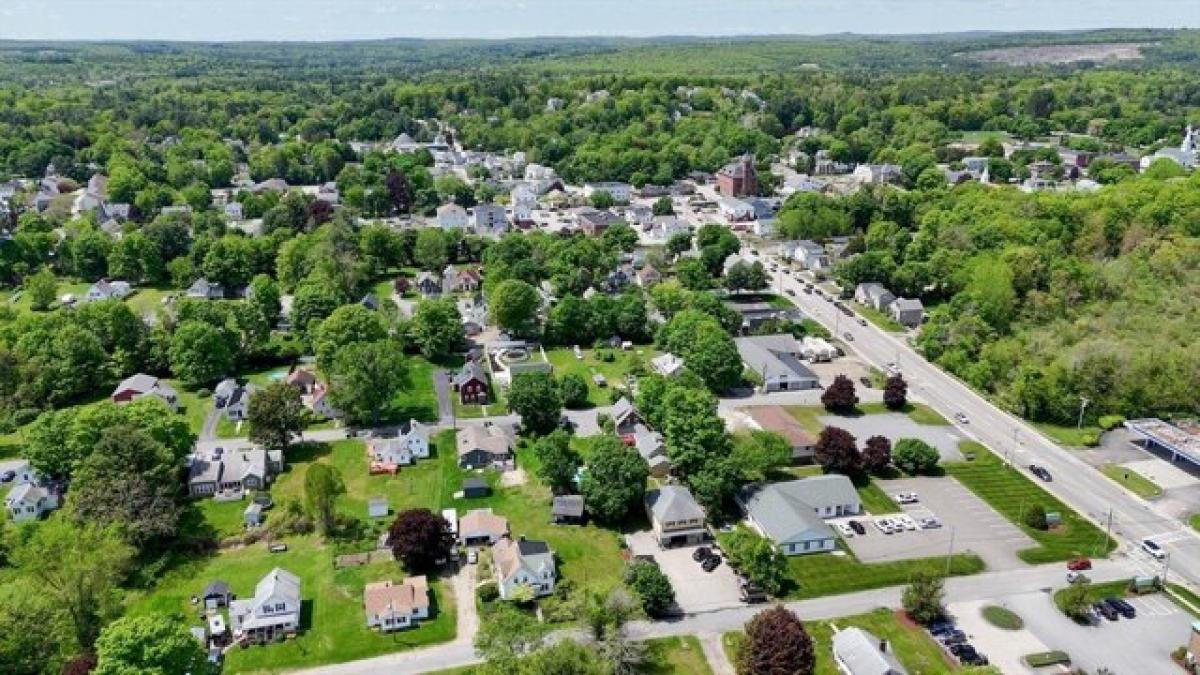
[
  {"x": 673, "y": 503},
  {"x": 859, "y": 651},
  {"x": 787, "y": 511}
]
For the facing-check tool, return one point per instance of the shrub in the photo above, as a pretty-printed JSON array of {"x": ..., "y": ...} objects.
[
  {"x": 1035, "y": 517},
  {"x": 652, "y": 588},
  {"x": 488, "y": 591},
  {"x": 914, "y": 456},
  {"x": 203, "y": 393},
  {"x": 1090, "y": 438},
  {"x": 1110, "y": 422},
  {"x": 1000, "y": 617},
  {"x": 574, "y": 390}
]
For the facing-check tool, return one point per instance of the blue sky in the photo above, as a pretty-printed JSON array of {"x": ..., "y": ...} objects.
[{"x": 355, "y": 19}]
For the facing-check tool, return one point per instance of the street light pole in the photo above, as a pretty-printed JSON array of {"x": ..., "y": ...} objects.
[{"x": 1083, "y": 404}]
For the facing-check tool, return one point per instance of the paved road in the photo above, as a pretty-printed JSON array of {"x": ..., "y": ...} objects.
[{"x": 1074, "y": 482}]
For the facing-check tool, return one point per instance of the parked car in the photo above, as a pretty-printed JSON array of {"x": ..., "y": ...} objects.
[
  {"x": 906, "y": 498},
  {"x": 941, "y": 627},
  {"x": 1105, "y": 610},
  {"x": 962, "y": 418},
  {"x": 1074, "y": 577},
  {"x": 844, "y": 529},
  {"x": 858, "y": 527},
  {"x": 930, "y": 523},
  {"x": 1150, "y": 546},
  {"x": 1123, "y": 608},
  {"x": 848, "y": 336},
  {"x": 1079, "y": 564},
  {"x": 789, "y": 292},
  {"x": 1040, "y": 472},
  {"x": 7, "y": 476},
  {"x": 472, "y": 557},
  {"x": 711, "y": 563},
  {"x": 701, "y": 554},
  {"x": 752, "y": 594}
]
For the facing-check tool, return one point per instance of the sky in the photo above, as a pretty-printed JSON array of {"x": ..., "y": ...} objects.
[{"x": 231, "y": 20}]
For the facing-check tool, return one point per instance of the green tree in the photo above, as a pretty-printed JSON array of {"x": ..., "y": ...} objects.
[
  {"x": 922, "y": 597},
  {"x": 679, "y": 243},
  {"x": 574, "y": 390},
  {"x": 436, "y": 328},
  {"x": 615, "y": 481},
  {"x": 652, "y": 588},
  {"x": 760, "y": 453},
  {"x": 776, "y": 644},
  {"x": 535, "y": 397},
  {"x": 663, "y": 206},
  {"x": 513, "y": 306},
  {"x": 265, "y": 298},
  {"x": 34, "y": 636},
  {"x": 758, "y": 559},
  {"x": 430, "y": 252},
  {"x": 322, "y": 486},
  {"x": 1076, "y": 600},
  {"x": 507, "y": 634},
  {"x": 42, "y": 289},
  {"x": 276, "y": 415},
  {"x": 150, "y": 645},
  {"x": 349, "y": 324},
  {"x": 1035, "y": 517},
  {"x": 693, "y": 431},
  {"x": 365, "y": 378},
  {"x": 557, "y": 461},
  {"x": 914, "y": 456},
  {"x": 200, "y": 353},
  {"x": 602, "y": 199}
]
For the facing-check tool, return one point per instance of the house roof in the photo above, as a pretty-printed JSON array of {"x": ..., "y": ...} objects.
[
  {"x": 671, "y": 503},
  {"x": 773, "y": 356},
  {"x": 278, "y": 582},
  {"x": 568, "y": 505},
  {"x": 859, "y": 651},
  {"x": 908, "y": 304},
  {"x": 474, "y": 483},
  {"x": 738, "y": 168},
  {"x": 384, "y": 597},
  {"x": 776, "y": 419},
  {"x": 511, "y": 556},
  {"x": 493, "y": 439},
  {"x": 787, "y": 511},
  {"x": 26, "y": 492},
  {"x": 622, "y": 410},
  {"x": 478, "y": 522}
]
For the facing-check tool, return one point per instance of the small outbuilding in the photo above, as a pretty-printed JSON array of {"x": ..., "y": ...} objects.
[
  {"x": 475, "y": 487},
  {"x": 377, "y": 507},
  {"x": 567, "y": 509},
  {"x": 216, "y": 594},
  {"x": 253, "y": 515}
]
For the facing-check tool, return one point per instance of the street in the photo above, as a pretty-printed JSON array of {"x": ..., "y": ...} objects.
[{"x": 1076, "y": 483}]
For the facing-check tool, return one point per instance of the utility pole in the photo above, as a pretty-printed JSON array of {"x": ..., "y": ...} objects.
[
  {"x": 1083, "y": 404},
  {"x": 1166, "y": 568},
  {"x": 950, "y": 553},
  {"x": 1107, "y": 533}
]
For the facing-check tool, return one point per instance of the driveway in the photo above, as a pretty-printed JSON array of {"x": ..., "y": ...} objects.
[
  {"x": 896, "y": 426},
  {"x": 974, "y": 526},
  {"x": 443, "y": 391},
  {"x": 696, "y": 591}
]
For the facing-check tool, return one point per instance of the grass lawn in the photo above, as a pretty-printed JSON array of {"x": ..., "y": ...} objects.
[
  {"x": 1070, "y": 436},
  {"x": 194, "y": 407},
  {"x": 418, "y": 400},
  {"x": 333, "y": 627},
  {"x": 1097, "y": 592},
  {"x": 21, "y": 304},
  {"x": 1010, "y": 491},
  {"x": 880, "y": 319},
  {"x": 226, "y": 518},
  {"x": 623, "y": 363},
  {"x": 1132, "y": 481},
  {"x": 227, "y": 428},
  {"x": 916, "y": 651},
  {"x": 1184, "y": 597},
  {"x": 148, "y": 300},
  {"x": 676, "y": 656},
  {"x": 875, "y": 500},
  {"x": 1000, "y": 617}
]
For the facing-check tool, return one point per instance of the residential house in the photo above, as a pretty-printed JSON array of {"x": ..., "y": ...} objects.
[
  {"x": 329, "y": 194},
  {"x": 490, "y": 219},
  {"x": 466, "y": 280},
  {"x": 667, "y": 365},
  {"x": 270, "y": 185},
  {"x": 755, "y": 314},
  {"x": 666, "y": 227},
  {"x": 141, "y": 384},
  {"x": 410, "y": 445},
  {"x": 474, "y": 487},
  {"x": 234, "y": 398},
  {"x": 484, "y": 445},
  {"x": 216, "y": 594},
  {"x": 593, "y": 222},
  {"x": 29, "y": 501},
  {"x": 523, "y": 562},
  {"x": 877, "y": 174},
  {"x": 23, "y": 471},
  {"x": 639, "y": 215},
  {"x": 764, "y": 216},
  {"x": 392, "y": 607},
  {"x": 272, "y": 614},
  {"x": 1186, "y": 155},
  {"x": 778, "y": 420},
  {"x": 793, "y": 513},
  {"x": 201, "y": 289},
  {"x": 908, "y": 312},
  {"x": 405, "y": 143},
  {"x": 524, "y": 202},
  {"x": 874, "y": 295},
  {"x": 220, "y": 473},
  {"x": 567, "y": 509},
  {"x": 620, "y": 192},
  {"x": 675, "y": 517},
  {"x": 812, "y": 256},
  {"x": 471, "y": 383},
  {"x": 625, "y": 416},
  {"x": 429, "y": 285},
  {"x": 651, "y": 446},
  {"x": 108, "y": 290},
  {"x": 776, "y": 360},
  {"x": 481, "y": 526},
  {"x": 735, "y": 210},
  {"x": 321, "y": 405},
  {"x": 738, "y": 178},
  {"x": 452, "y": 217},
  {"x": 858, "y": 652},
  {"x": 648, "y": 276}
]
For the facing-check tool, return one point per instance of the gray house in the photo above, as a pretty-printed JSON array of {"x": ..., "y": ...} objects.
[
  {"x": 907, "y": 311},
  {"x": 874, "y": 295},
  {"x": 202, "y": 289},
  {"x": 793, "y": 513},
  {"x": 675, "y": 517},
  {"x": 221, "y": 473},
  {"x": 776, "y": 359}
]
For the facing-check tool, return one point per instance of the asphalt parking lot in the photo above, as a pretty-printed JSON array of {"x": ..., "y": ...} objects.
[
  {"x": 695, "y": 589},
  {"x": 1140, "y": 646},
  {"x": 896, "y": 426},
  {"x": 975, "y": 526}
]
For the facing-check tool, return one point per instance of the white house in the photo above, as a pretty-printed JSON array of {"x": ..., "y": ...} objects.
[
  {"x": 136, "y": 386},
  {"x": 272, "y": 614},
  {"x": 411, "y": 445},
  {"x": 29, "y": 501},
  {"x": 392, "y": 607},
  {"x": 523, "y": 562},
  {"x": 735, "y": 210},
  {"x": 524, "y": 201},
  {"x": 620, "y": 192},
  {"x": 874, "y": 296},
  {"x": 876, "y": 174},
  {"x": 858, "y": 652},
  {"x": 108, "y": 290},
  {"x": 490, "y": 219},
  {"x": 452, "y": 217}
]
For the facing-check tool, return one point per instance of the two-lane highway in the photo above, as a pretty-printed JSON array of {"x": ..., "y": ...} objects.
[{"x": 1076, "y": 483}]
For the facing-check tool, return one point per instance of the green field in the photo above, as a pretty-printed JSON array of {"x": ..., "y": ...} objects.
[
  {"x": 1003, "y": 618},
  {"x": 1069, "y": 436},
  {"x": 913, "y": 647},
  {"x": 615, "y": 371},
  {"x": 675, "y": 656},
  {"x": 875, "y": 500},
  {"x": 418, "y": 399},
  {"x": 1010, "y": 491},
  {"x": 333, "y": 628},
  {"x": 1132, "y": 481}
]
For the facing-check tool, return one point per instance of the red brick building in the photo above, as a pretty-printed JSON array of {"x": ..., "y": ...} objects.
[{"x": 738, "y": 178}]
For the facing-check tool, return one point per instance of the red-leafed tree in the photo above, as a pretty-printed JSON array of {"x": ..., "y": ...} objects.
[
  {"x": 419, "y": 538},
  {"x": 877, "y": 455},
  {"x": 837, "y": 450},
  {"x": 895, "y": 392},
  {"x": 840, "y": 396},
  {"x": 776, "y": 644}
]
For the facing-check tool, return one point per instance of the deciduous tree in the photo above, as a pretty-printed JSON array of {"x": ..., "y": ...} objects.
[
  {"x": 419, "y": 538},
  {"x": 42, "y": 289},
  {"x": 615, "y": 481},
  {"x": 652, "y": 588},
  {"x": 513, "y": 306},
  {"x": 436, "y": 328},
  {"x": 836, "y": 450},
  {"x": 535, "y": 397},
  {"x": 349, "y": 324},
  {"x": 557, "y": 461},
  {"x": 776, "y": 644},
  {"x": 149, "y": 644},
  {"x": 895, "y": 392},
  {"x": 276, "y": 415},
  {"x": 366, "y": 378},
  {"x": 574, "y": 390},
  {"x": 200, "y": 353},
  {"x": 922, "y": 597},
  {"x": 914, "y": 456},
  {"x": 877, "y": 455},
  {"x": 839, "y": 396},
  {"x": 322, "y": 486}
]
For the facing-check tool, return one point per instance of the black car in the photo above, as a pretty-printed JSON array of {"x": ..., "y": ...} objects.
[
  {"x": 976, "y": 660},
  {"x": 963, "y": 651},
  {"x": 954, "y": 637},
  {"x": 701, "y": 554},
  {"x": 941, "y": 627},
  {"x": 1123, "y": 608},
  {"x": 7, "y": 476},
  {"x": 858, "y": 527},
  {"x": 1040, "y": 472},
  {"x": 1106, "y": 610},
  {"x": 711, "y": 563},
  {"x": 752, "y": 594},
  {"x": 866, "y": 382}
]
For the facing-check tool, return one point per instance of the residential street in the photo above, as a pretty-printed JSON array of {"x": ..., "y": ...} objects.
[{"x": 1084, "y": 488}]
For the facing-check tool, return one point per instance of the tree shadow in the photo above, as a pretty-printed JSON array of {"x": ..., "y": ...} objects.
[{"x": 307, "y": 451}]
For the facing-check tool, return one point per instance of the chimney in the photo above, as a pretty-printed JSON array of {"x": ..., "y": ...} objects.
[{"x": 883, "y": 646}]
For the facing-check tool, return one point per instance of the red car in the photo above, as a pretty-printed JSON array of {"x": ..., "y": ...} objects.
[{"x": 1079, "y": 564}]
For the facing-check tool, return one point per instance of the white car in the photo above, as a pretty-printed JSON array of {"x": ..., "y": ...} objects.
[
  {"x": 472, "y": 556},
  {"x": 906, "y": 498},
  {"x": 962, "y": 418},
  {"x": 908, "y": 523},
  {"x": 930, "y": 523},
  {"x": 844, "y": 530},
  {"x": 1150, "y": 546}
]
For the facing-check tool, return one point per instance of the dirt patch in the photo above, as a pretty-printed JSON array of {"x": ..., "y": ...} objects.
[
  {"x": 513, "y": 478},
  {"x": 1042, "y": 54}
]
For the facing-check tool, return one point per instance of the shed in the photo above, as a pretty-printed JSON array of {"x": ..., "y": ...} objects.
[
  {"x": 253, "y": 514},
  {"x": 377, "y": 507},
  {"x": 216, "y": 594},
  {"x": 567, "y": 509},
  {"x": 474, "y": 487}
]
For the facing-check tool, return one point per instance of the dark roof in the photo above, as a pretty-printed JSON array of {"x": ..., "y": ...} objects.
[
  {"x": 474, "y": 482},
  {"x": 471, "y": 371},
  {"x": 568, "y": 505},
  {"x": 216, "y": 588},
  {"x": 532, "y": 547}
]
